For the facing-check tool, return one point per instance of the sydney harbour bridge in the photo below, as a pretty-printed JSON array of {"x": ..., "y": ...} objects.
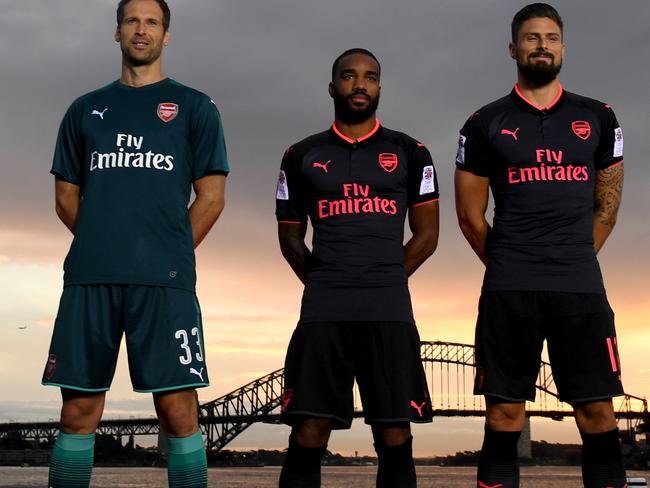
[{"x": 450, "y": 374}]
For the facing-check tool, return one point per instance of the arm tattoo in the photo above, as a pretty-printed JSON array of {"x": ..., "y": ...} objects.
[{"x": 607, "y": 195}]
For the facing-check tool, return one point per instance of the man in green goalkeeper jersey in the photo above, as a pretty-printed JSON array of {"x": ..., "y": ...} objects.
[{"x": 126, "y": 159}]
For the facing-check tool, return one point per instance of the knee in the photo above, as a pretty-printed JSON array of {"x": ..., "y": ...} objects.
[
  {"x": 81, "y": 414},
  {"x": 178, "y": 412},
  {"x": 178, "y": 420},
  {"x": 595, "y": 417},
  {"x": 391, "y": 436},
  {"x": 312, "y": 432},
  {"x": 505, "y": 417}
]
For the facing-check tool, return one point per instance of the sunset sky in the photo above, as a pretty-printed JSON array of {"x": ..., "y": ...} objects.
[{"x": 267, "y": 64}]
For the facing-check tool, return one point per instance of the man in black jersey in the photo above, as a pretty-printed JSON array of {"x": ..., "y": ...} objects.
[
  {"x": 554, "y": 162},
  {"x": 356, "y": 182}
]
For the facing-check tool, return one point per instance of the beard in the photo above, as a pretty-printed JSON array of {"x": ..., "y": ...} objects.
[
  {"x": 539, "y": 74},
  {"x": 349, "y": 114},
  {"x": 140, "y": 59}
]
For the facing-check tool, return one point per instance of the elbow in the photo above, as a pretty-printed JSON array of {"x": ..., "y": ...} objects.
[
  {"x": 216, "y": 204},
  {"x": 219, "y": 205},
  {"x": 286, "y": 248},
  {"x": 467, "y": 225},
  {"x": 434, "y": 245},
  {"x": 462, "y": 218},
  {"x": 431, "y": 245},
  {"x": 62, "y": 211}
]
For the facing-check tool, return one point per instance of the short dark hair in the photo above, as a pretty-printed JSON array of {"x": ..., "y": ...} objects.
[
  {"x": 532, "y": 11},
  {"x": 355, "y": 50},
  {"x": 161, "y": 3}
]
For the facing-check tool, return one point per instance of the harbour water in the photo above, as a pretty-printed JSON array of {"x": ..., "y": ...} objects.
[{"x": 267, "y": 477}]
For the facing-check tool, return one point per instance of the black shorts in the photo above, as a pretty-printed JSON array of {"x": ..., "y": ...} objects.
[
  {"x": 324, "y": 358},
  {"x": 581, "y": 339}
]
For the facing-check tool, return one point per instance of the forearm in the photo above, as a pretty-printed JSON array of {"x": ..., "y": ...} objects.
[
  {"x": 472, "y": 194},
  {"x": 477, "y": 233},
  {"x": 601, "y": 233},
  {"x": 67, "y": 203},
  {"x": 204, "y": 212},
  {"x": 607, "y": 200},
  {"x": 417, "y": 250},
  {"x": 292, "y": 244},
  {"x": 68, "y": 213},
  {"x": 298, "y": 256}
]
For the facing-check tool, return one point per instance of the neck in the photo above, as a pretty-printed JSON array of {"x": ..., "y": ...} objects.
[
  {"x": 543, "y": 95},
  {"x": 142, "y": 75},
  {"x": 355, "y": 131}
]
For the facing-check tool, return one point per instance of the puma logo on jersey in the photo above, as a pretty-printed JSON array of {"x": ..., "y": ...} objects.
[
  {"x": 101, "y": 114},
  {"x": 322, "y": 166},
  {"x": 418, "y": 407},
  {"x": 510, "y": 133},
  {"x": 197, "y": 373}
]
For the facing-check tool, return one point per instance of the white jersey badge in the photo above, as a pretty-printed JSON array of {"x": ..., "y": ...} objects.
[
  {"x": 282, "y": 192},
  {"x": 427, "y": 185},
  {"x": 460, "y": 155},
  {"x": 618, "y": 142}
]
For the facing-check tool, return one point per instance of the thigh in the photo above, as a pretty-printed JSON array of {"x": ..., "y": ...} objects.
[
  {"x": 389, "y": 372},
  {"x": 86, "y": 338},
  {"x": 582, "y": 347},
  {"x": 164, "y": 338},
  {"x": 509, "y": 343},
  {"x": 318, "y": 375}
]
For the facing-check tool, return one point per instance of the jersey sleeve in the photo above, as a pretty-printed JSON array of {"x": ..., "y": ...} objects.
[
  {"x": 473, "y": 147},
  {"x": 290, "y": 200},
  {"x": 67, "y": 163},
  {"x": 207, "y": 141},
  {"x": 422, "y": 178},
  {"x": 610, "y": 147}
]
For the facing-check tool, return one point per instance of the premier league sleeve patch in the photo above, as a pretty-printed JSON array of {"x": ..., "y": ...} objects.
[
  {"x": 618, "y": 142},
  {"x": 427, "y": 185},
  {"x": 282, "y": 192},
  {"x": 460, "y": 155}
]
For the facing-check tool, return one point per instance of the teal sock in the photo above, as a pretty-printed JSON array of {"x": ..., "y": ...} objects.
[
  {"x": 71, "y": 463},
  {"x": 187, "y": 466}
]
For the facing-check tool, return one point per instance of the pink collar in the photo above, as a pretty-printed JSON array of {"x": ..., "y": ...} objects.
[
  {"x": 362, "y": 138},
  {"x": 533, "y": 104}
]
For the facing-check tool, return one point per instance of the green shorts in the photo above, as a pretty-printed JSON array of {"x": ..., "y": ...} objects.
[{"x": 164, "y": 338}]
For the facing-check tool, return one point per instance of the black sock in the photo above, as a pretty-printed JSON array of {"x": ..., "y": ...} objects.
[
  {"x": 498, "y": 464},
  {"x": 301, "y": 468},
  {"x": 602, "y": 460},
  {"x": 395, "y": 466}
]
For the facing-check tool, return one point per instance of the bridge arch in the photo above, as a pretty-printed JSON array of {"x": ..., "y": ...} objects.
[{"x": 450, "y": 373}]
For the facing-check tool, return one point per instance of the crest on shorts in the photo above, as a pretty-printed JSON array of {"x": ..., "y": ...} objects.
[
  {"x": 287, "y": 395},
  {"x": 480, "y": 378},
  {"x": 582, "y": 129},
  {"x": 51, "y": 366},
  {"x": 167, "y": 111},
  {"x": 388, "y": 161}
]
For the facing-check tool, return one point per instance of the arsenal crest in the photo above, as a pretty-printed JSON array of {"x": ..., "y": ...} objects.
[
  {"x": 388, "y": 161},
  {"x": 167, "y": 111},
  {"x": 51, "y": 366},
  {"x": 582, "y": 129},
  {"x": 287, "y": 395}
]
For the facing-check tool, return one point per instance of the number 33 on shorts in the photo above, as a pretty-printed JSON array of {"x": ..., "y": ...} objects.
[{"x": 182, "y": 335}]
